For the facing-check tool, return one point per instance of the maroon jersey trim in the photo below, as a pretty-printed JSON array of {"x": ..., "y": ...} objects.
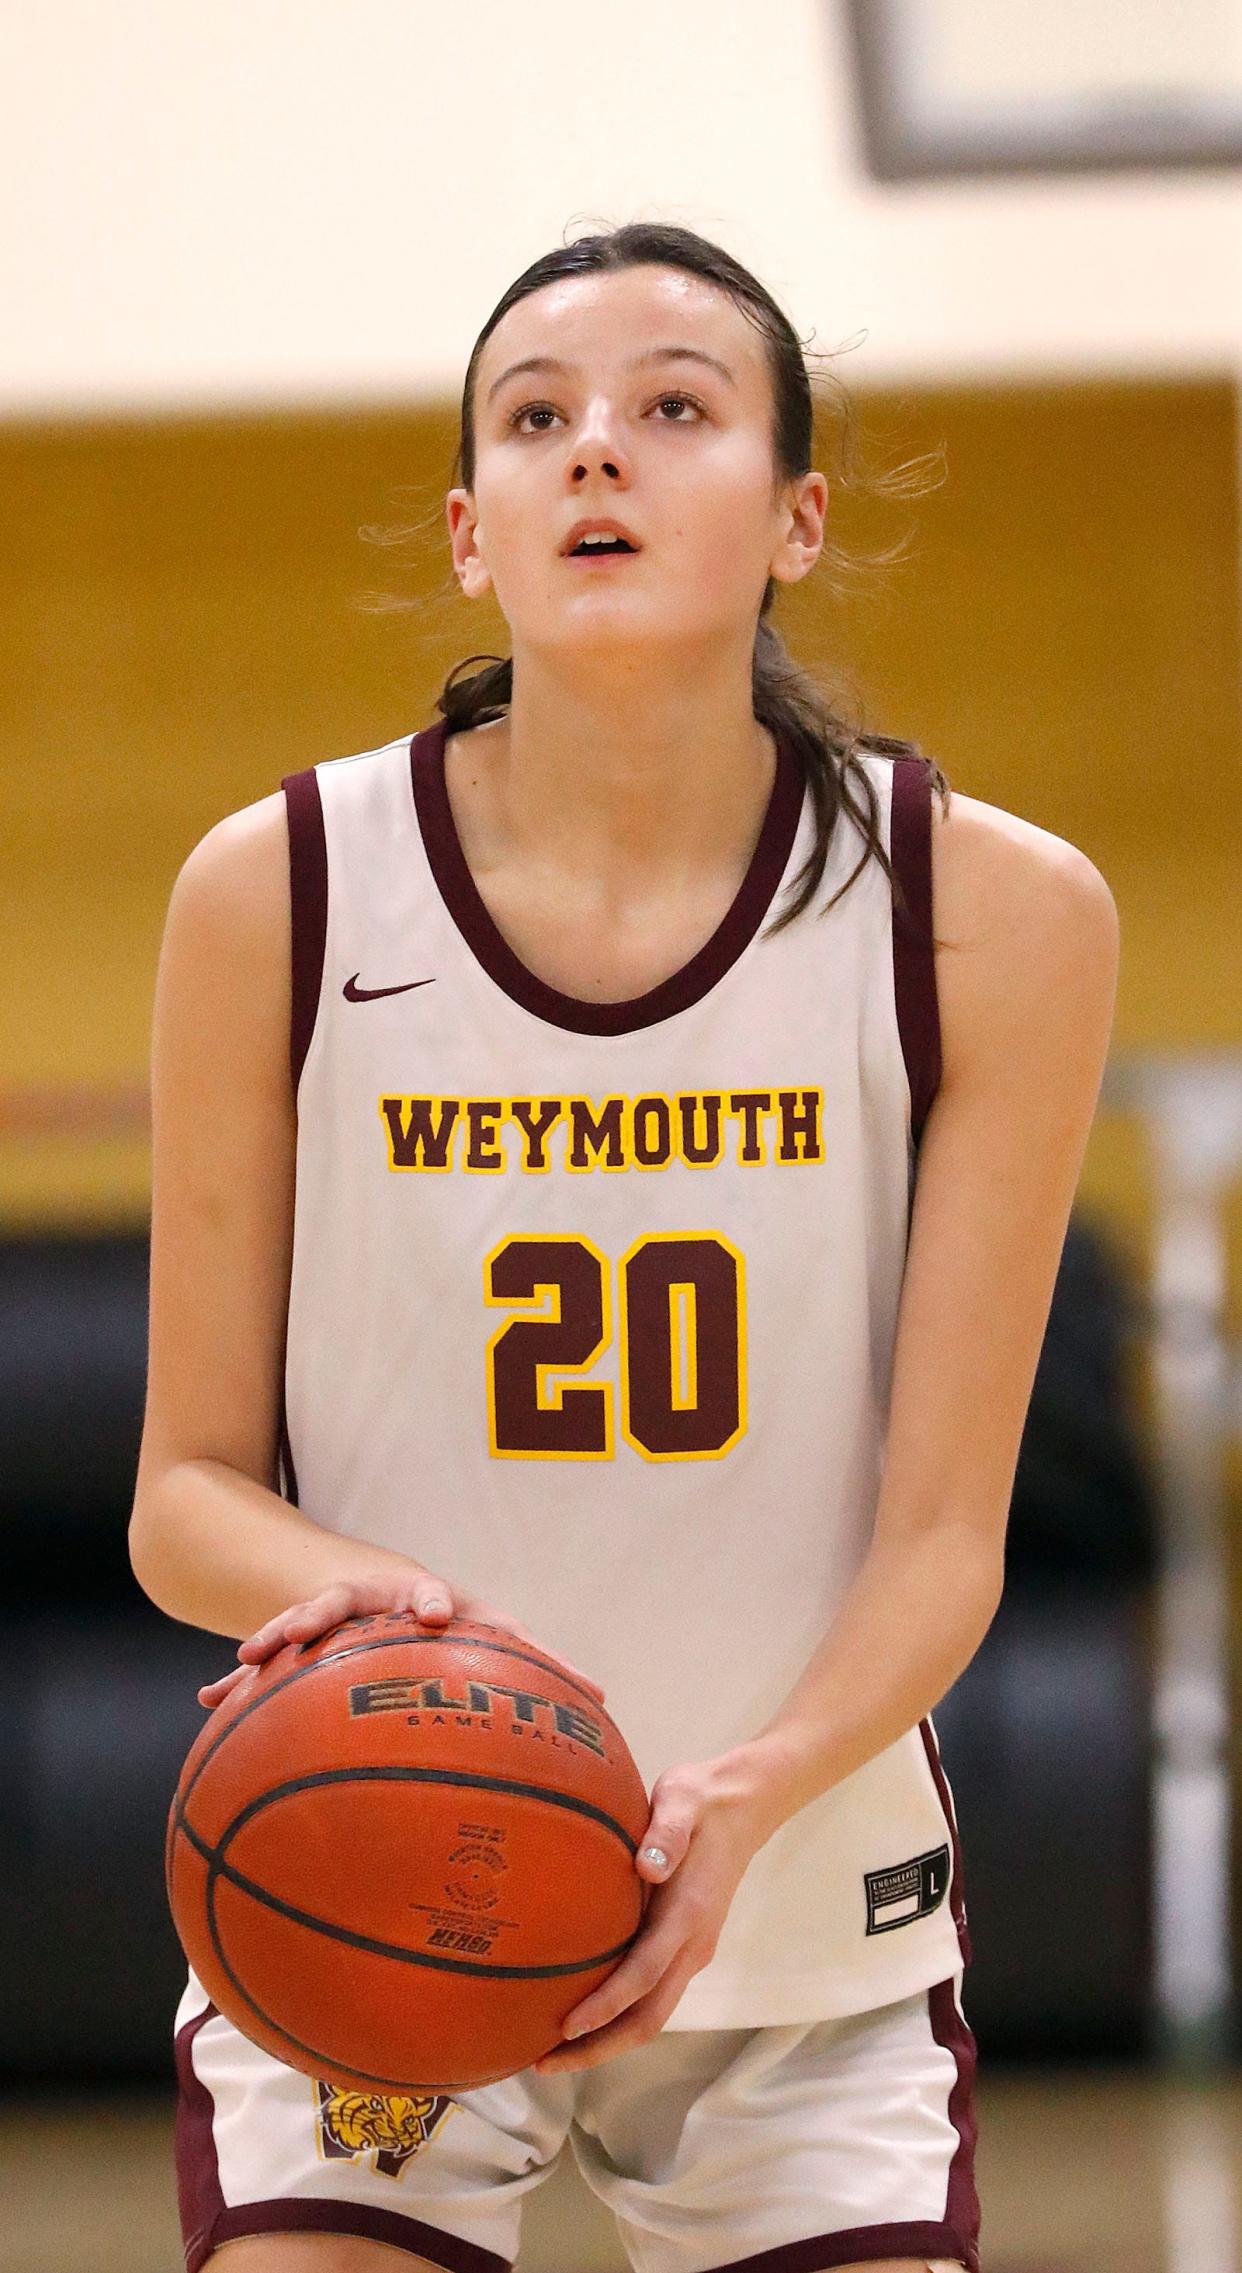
[
  {"x": 290, "y": 1474},
  {"x": 308, "y": 930},
  {"x": 957, "y": 1883},
  {"x": 914, "y": 962},
  {"x": 486, "y": 942},
  {"x": 308, "y": 907}
]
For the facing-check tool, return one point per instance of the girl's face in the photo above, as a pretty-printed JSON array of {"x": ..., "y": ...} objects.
[{"x": 675, "y": 447}]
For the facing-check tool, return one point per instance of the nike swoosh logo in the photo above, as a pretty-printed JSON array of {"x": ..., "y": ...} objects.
[{"x": 354, "y": 993}]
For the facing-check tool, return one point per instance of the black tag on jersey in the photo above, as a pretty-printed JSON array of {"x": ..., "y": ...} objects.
[{"x": 909, "y": 1890}]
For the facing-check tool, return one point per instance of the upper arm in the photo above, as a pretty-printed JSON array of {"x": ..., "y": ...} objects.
[
  {"x": 1026, "y": 983},
  {"x": 223, "y": 1143}
]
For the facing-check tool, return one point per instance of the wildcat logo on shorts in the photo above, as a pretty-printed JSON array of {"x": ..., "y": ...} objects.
[
  {"x": 353, "y": 2123},
  {"x": 907, "y": 1891}
]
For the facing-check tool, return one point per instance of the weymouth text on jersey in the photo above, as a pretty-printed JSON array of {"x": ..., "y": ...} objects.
[{"x": 486, "y": 1135}]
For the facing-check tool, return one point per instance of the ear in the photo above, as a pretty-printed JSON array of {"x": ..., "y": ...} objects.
[
  {"x": 802, "y": 536},
  {"x": 463, "y": 523}
]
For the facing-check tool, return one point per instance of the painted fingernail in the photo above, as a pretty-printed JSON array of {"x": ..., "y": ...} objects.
[{"x": 656, "y": 1856}]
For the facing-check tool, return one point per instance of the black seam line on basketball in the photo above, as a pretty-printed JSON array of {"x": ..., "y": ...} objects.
[
  {"x": 217, "y": 1867},
  {"x": 312, "y": 2051},
  {"x": 401, "y": 1772},
  {"x": 390, "y": 1641}
]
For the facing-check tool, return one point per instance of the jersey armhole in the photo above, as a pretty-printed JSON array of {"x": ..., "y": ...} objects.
[
  {"x": 308, "y": 910},
  {"x": 914, "y": 960}
]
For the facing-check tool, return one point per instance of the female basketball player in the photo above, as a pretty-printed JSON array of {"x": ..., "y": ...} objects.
[{"x": 584, "y": 1277}]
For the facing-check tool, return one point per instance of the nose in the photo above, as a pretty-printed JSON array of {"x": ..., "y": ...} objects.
[{"x": 596, "y": 447}]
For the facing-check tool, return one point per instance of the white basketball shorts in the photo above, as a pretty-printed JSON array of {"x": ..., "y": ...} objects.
[{"x": 766, "y": 2150}]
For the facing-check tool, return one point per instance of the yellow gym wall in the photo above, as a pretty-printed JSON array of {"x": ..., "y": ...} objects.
[{"x": 183, "y": 621}]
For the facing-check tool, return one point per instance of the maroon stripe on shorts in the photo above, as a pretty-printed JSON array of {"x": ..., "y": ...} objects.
[
  {"x": 308, "y": 901},
  {"x": 914, "y": 962},
  {"x": 299, "y": 2214},
  {"x": 198, "y": 2176},
  {"x": 207, "y": 2220},
  {"x": 956, "y": 2235},
  {"x": 957, "y": 1884},
  {"x": 858, "y": 2246},
  {"x": 949, "y": 2028}
]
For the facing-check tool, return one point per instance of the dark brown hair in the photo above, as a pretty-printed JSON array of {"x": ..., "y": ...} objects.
[{"x": 785, "y": 697}]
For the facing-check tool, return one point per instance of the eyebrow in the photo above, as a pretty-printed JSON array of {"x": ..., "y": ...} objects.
[{"x": 652, "y": 355}]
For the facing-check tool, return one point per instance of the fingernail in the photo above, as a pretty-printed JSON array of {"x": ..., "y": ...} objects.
[{"x": 656, "y": 1857}]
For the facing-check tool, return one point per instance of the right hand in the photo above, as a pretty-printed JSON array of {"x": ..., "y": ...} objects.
[{"x": 433, "y": 1600}]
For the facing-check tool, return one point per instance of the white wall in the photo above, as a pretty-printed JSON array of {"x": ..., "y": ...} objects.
[{"x": 315, "y": 201}]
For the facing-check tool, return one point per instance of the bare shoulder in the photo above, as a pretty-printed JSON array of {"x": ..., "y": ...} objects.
[
  {"x": 224, "y": 985},
  {"x": 1026, "y": 929},
  {"x": 240, "y": 867},
  {"x": 982, "y": 855}
]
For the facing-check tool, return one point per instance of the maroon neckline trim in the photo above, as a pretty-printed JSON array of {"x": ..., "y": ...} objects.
[{"x": 683, "y": 988}]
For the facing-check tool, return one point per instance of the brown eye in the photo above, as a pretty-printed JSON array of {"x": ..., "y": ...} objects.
[
  {"x": 545, "y": 410},
  {"x": 515, "y": 417}
]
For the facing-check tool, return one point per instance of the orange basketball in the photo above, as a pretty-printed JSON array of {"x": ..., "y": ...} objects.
[{"x": 398, "y": 1855}]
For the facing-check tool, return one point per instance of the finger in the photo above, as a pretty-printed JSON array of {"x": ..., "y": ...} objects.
[
  {"x": 321, "y": 1613},
  {"x": 636, "y": 2024},
  {"x": 213, "y": 1693},
  {"x": 658, "y": 1947},
  {"x": 305, "y": 1621},
  {"x": 664, "y": 1847},
  {"x": 300, "y": 1622},
  {"x": 260, "y": 1643}
]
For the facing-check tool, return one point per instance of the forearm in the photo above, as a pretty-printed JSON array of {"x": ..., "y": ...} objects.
[
  {"x": 215, "y": 1549},
  {"x": 909, "y": 1625}
]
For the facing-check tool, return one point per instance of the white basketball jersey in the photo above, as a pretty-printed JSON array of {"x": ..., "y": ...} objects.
[{"x": 592, "y": 1310}]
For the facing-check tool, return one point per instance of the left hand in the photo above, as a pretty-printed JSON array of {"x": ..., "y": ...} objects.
[{"x": 709, "y": 1819}]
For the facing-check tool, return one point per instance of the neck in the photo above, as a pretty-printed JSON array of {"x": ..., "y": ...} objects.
[{"x": 643, "y": 786}]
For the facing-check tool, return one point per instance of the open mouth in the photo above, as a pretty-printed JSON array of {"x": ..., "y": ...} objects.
[{"x": 615, "y": 548}]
